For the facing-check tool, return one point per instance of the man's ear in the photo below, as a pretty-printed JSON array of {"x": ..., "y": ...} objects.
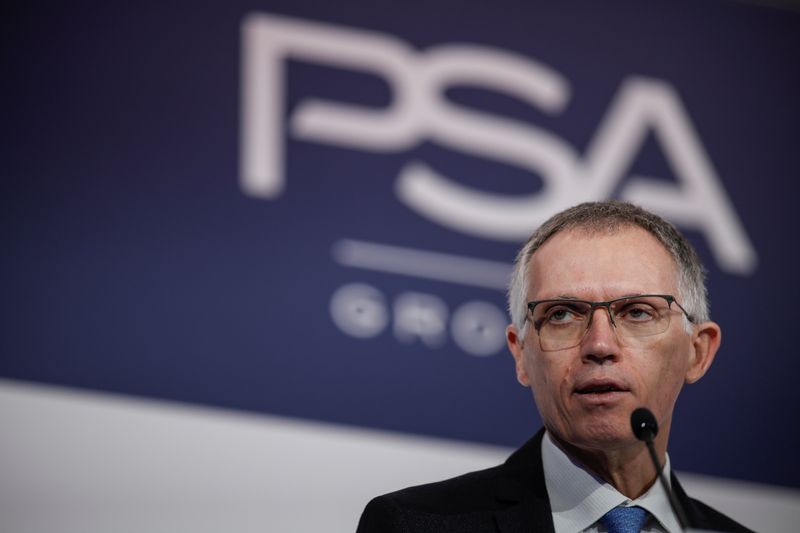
[
  {"x": 515, "y": 344},
  {"x": 705, "y": 343}
]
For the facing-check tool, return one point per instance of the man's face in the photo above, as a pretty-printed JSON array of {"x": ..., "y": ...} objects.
[{"x": 586, "y": 394}]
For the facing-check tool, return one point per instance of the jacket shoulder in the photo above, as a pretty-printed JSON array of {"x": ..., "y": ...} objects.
[
  {"x": 469, "y": 503},
  {"x": 704, "y": 516},
  {"x": 471, "y": 491},
  {"x": 707, "y": 517},
  {"x": 466, "y": 503}
]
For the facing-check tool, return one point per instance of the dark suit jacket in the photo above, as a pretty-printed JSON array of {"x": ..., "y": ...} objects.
[{"x": 511, "y": 497}]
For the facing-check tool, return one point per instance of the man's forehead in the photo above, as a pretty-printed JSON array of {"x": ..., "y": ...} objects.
[{"x": 612, "y": 262}]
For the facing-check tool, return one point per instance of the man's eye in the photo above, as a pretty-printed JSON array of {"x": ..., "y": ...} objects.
[
  {"x": 638, "y": 313},
  {"x": 561, "y": 315}
]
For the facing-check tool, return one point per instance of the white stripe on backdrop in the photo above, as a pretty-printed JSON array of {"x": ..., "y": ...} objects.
[{"x": 82, "y": 462}]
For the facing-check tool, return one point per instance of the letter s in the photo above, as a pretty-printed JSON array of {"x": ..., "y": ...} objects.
[{"x": 477, "y": 212}]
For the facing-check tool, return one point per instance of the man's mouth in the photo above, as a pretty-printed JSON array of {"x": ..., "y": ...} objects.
[
  {"x": 600, "y": 387},
  {"x": 598, "y": 390}
]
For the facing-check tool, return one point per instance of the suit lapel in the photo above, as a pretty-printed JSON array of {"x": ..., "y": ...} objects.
[
  {"x": 525, "y": 517},
  {"x": 523, "y": 493},
  {"x": 695, "y": 515}
]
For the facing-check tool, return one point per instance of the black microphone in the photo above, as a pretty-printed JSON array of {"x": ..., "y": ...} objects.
[
  {"x": 645, "y": 428},
  {"x": 644, "y": 424}
]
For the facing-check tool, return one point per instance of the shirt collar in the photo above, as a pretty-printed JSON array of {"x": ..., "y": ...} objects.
[{"x": 578, "y": 499}]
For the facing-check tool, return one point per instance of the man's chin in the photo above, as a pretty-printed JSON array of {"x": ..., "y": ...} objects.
[{"x": 604, "y": 434}]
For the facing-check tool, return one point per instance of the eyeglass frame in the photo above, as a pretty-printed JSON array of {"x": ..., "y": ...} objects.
[{"x": 593, "y": 306}]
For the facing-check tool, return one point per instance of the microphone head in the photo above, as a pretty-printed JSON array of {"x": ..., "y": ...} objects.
[{"x": 644, "y": 424}]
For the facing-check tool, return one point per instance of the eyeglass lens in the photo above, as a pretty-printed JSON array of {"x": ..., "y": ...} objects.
[{"x": 562, "y": 323}]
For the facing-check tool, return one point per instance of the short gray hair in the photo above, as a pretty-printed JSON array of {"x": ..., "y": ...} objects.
[{"x": 610, "y": 216}]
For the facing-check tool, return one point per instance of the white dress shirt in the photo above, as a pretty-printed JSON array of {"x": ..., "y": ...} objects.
[{"x": 578, "y": 499}]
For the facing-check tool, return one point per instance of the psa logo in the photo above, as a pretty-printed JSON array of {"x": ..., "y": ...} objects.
[{"x": 420, "y": 111}]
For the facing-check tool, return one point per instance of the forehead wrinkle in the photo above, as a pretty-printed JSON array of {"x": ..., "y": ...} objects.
[
  {"x": 608, "y": 294},
  {"x": 571, "y": 297}
]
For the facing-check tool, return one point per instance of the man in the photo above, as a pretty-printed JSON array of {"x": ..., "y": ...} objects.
[{"x": 609, "y": 313}]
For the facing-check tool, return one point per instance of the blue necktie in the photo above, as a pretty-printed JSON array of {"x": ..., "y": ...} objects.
[{"x": 624, "y": 519}]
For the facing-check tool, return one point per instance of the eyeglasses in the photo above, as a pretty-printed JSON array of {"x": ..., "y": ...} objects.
[{"x": 563, "y": 323}]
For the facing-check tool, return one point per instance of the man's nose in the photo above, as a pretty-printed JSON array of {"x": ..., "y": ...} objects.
[{"x": 600, "y": 342}]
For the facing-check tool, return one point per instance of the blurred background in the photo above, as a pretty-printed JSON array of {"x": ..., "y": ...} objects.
[{"x": 255, "y": 252}]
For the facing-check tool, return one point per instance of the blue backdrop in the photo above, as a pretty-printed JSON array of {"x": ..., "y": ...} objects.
[{"x": 308, "y": 209}]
